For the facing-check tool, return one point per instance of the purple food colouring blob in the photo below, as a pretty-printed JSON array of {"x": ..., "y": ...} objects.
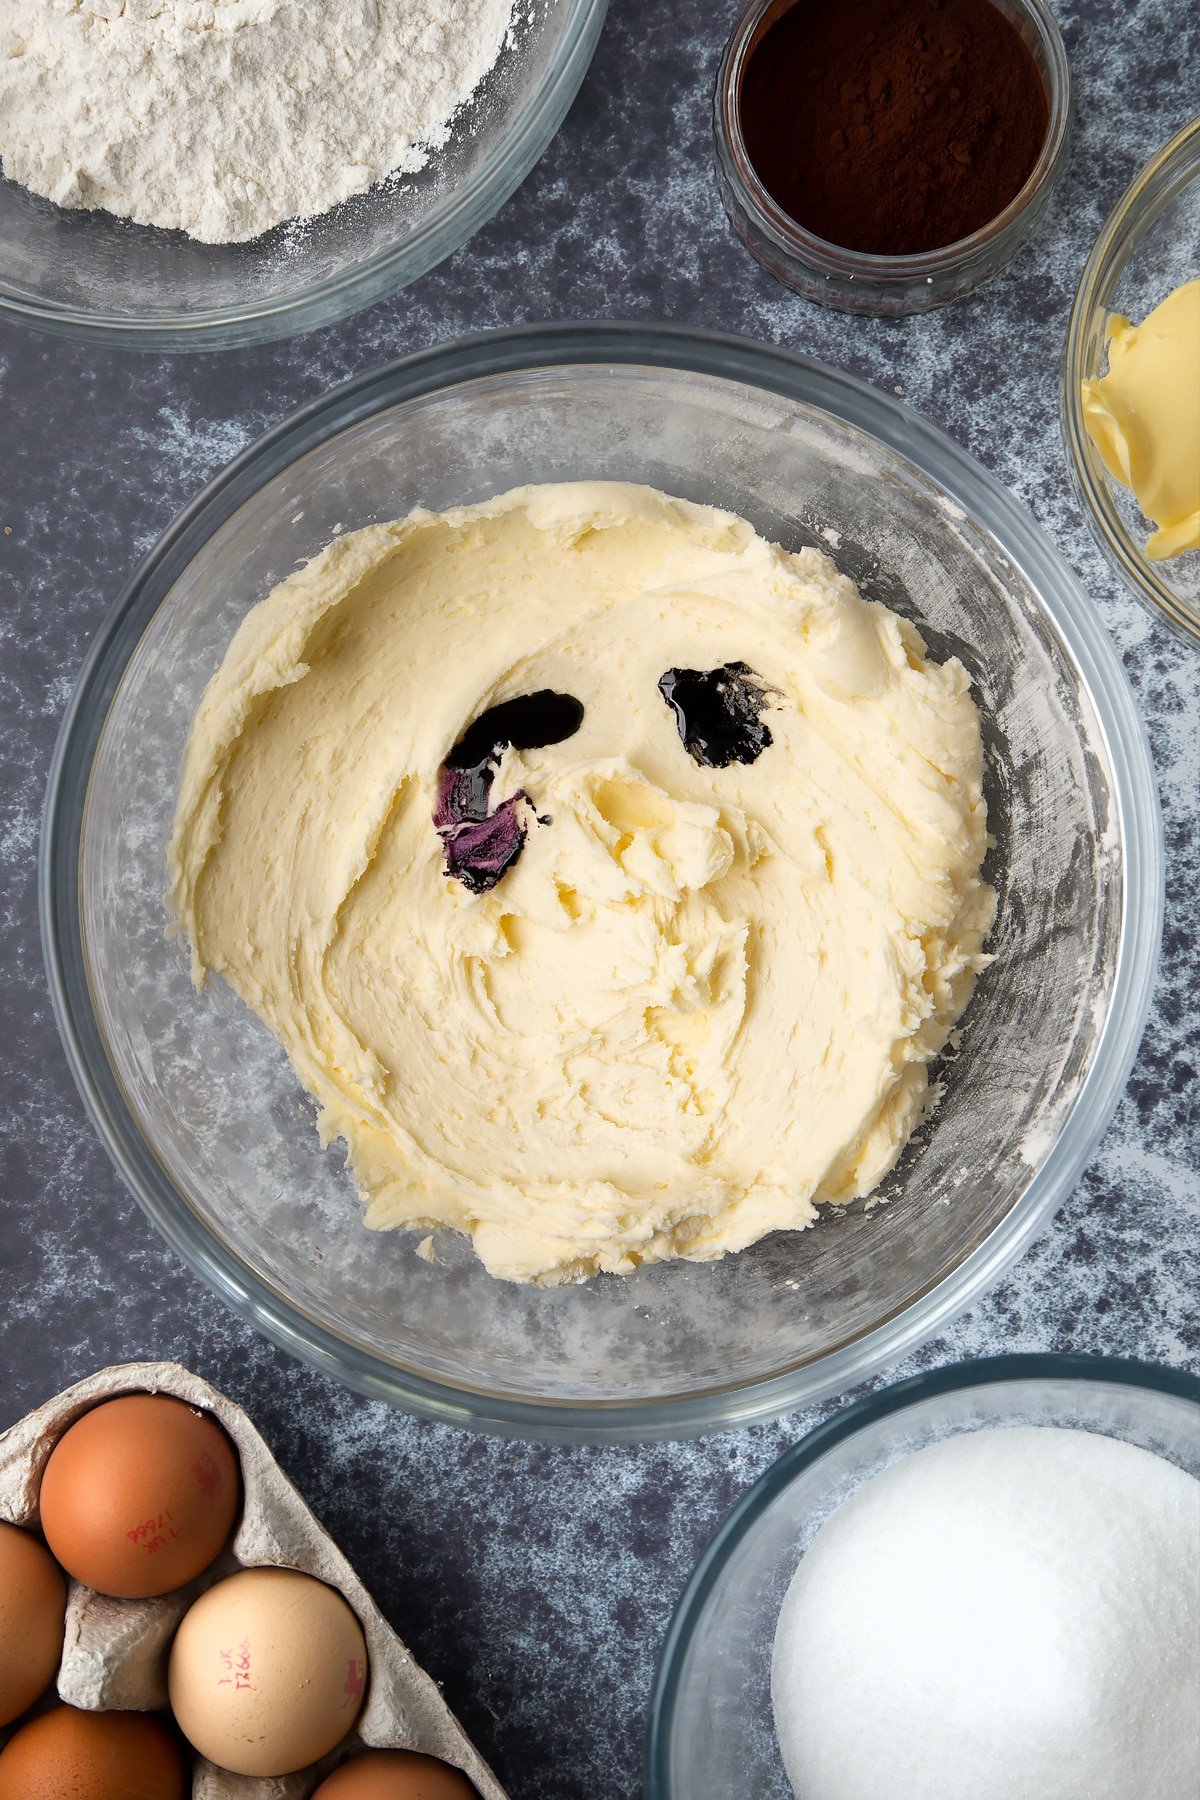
[{"x": 480, "y": 842}]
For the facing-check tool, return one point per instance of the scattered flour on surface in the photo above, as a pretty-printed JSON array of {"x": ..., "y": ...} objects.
[
  {"x": 223, "y": 118},
  {"x": 1009, "y": 1614}
]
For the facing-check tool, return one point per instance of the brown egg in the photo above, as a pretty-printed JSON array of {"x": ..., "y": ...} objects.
[
  {"x": 140, "y": 1495},
  {"x": 33, "y": 1600},
  {"x": 93, "y": 1756},
  {"x": 267, "y": 1672},
  {"x": 395, "y": 1775}
]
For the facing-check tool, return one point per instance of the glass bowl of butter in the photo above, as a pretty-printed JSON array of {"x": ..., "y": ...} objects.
[
  {"x": 1131, "y": 386},
  {"x": 204, "y": 1114}
]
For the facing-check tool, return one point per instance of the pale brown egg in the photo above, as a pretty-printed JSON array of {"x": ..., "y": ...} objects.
[
  {"x": 395, "y": 1775},
  {"x": 139, "y": 1495},
  {"x": 33, "y": 1600},
  {"x": 268, "y": 1671},
  {"x": 93, "y": 1756}
]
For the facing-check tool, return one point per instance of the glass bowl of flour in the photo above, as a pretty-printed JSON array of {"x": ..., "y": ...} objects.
[
  {"x": 711, "y": 1726},
  {"x": 158, "y": 192},
  {"x": 198, "y": 1103}
]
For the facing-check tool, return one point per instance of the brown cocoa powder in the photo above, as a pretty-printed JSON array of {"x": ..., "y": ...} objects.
[{"x": 893, "y": 126}]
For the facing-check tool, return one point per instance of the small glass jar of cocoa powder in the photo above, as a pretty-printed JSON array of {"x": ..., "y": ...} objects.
[{"x": 892, "y": 124}]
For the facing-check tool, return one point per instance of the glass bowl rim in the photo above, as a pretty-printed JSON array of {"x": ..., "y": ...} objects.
[
  {"x": 847, "y": 1422},
  {"x": 443, "y": 230},
  {"x": 1138, "y": 574},
  {"x": 524, "y": 350},
  {"x": 869, "y": 267}
]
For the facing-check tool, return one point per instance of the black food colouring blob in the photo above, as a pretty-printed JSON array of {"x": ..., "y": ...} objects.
[
  {"x": 481, "y": 843},
  {"x": 719, "y": 713}
]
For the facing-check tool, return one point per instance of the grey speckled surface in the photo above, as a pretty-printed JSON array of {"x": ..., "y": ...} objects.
[{"x": 536, "y": 1582}]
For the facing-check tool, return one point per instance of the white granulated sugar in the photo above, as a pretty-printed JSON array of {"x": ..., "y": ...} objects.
[
  {"x": 1005, "y": 1615},
  {"x": 225, "y": 117}
]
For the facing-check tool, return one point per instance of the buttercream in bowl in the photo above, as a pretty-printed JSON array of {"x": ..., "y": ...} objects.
[
  {"x": 201, "y": 1105},
  {"x": 636, "y": 992}
]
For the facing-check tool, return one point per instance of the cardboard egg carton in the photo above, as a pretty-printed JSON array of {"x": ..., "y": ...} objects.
[{"x": 115, "y": 1653}]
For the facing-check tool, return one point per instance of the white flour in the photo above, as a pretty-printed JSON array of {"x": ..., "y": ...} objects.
[{"x": 225, "y": 117}]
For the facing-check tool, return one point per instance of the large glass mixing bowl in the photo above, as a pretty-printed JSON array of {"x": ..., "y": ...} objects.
[
  {"x": 710, "y": 1726},
  {"x": 91, "y": 275},
  {"x": 198, "y": 1104}
]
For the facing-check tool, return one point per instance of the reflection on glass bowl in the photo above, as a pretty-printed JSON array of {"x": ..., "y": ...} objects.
[
  {"x": 197, "y": 1102},
  {"x": 1150, "y": 245}
]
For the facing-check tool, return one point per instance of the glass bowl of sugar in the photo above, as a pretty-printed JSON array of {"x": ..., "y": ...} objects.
[
  {"x": 83, "y": 272},
  {"x": 711, "y": 1728}
]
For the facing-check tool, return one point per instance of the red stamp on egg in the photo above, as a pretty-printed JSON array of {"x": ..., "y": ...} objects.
[
  {"x": 208, "y": 1476},
  {"x": 236, "y": 1664},
  {"x": 152, "y": 1534}
]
